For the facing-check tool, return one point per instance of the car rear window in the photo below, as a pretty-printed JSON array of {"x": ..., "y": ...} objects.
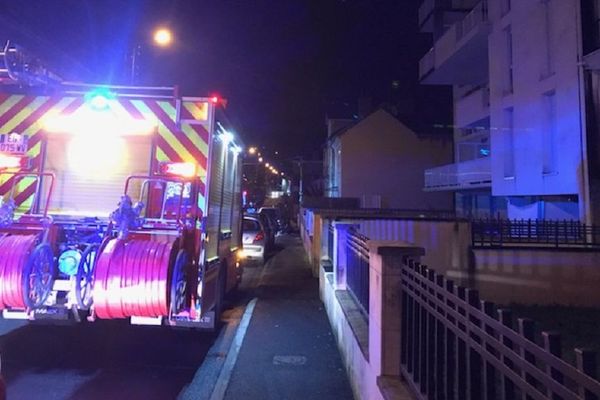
[{"x": 251, "y": 225}]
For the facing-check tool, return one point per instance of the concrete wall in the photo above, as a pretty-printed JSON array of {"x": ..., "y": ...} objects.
[
  {"x": 381, "y": 156},
  {"x": 446, "y": 243},
  {"x": 535, "y": 276},
  {"x": 361, "y": 376}
]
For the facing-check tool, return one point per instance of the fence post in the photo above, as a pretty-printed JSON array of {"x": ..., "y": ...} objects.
[
  {"x": 586, "y": 363},
  {"x": 316, "y": 243},
  {"x": 385, "y": 308},
  {"x": 474, "y": 360},
  {"x": 508, "y": 387},
  {"x": 340, "y": 258},
  {"x": 551, "y": 341},
  {"x": 527, "y": 330}
]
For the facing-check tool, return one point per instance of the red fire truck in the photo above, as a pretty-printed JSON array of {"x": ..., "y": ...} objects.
[{"x": 116, "y": 201}]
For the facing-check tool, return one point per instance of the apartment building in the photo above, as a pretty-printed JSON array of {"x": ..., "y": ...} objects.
[{"x": 526, "y": 99}]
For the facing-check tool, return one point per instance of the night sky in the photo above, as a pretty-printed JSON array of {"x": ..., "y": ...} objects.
[{"x": 283, "y": 65}]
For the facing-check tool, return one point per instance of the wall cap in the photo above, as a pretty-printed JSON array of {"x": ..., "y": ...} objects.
[{"x": 395, "y": 248}]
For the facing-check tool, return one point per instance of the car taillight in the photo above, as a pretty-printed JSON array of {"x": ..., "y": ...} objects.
[{"x": 259, "y": 236}]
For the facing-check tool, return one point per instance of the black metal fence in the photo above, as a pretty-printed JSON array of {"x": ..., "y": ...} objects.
[
  {"x": 456, "y": 346},
  {"x": 547, "y": 233},
  {"x": 357, "y": 266}
]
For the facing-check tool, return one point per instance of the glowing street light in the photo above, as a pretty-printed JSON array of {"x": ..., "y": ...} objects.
[
  {"x": 260, "y": 159},
  {"x": 252, "y": 150},
  {"x": 267, "y": 165},
  {"x": 163, "y": 37}
]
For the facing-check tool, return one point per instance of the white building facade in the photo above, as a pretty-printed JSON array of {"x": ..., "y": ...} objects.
[{"x": 522, "y": 79}]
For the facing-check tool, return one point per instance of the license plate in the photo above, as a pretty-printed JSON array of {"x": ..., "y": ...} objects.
[{"x": 13, "y": 143}]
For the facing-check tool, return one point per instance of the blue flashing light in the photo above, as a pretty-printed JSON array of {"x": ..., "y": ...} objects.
[{"x": 484, "y": 152}]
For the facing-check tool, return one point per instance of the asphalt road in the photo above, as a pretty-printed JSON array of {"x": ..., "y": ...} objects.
[{"x": 108, "y": 359}]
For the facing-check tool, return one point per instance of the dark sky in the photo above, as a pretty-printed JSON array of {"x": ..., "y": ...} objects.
[{"x": 282, "y": 64}]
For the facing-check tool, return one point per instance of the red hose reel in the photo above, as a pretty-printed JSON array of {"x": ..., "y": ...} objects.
[
  {"x": 26, "y": 271},
  {"x": 131, "y": 279}
]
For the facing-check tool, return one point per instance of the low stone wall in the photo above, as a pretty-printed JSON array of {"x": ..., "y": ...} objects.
[{"x": 360, "y": 374}]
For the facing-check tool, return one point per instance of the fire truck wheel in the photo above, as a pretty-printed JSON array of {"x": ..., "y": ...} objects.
[
  {"x": 38, "y": 276},
  {"x": 179, "y": 283},
  {"x": 85, "y": 276}
]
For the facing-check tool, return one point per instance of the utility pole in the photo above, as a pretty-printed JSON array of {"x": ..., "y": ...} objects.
[{"x": 300, "y": 161}]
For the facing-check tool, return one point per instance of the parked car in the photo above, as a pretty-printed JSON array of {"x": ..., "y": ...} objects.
[
  {"x": 270, "y": 230},
  {"x": 254, "y": 239},
  {"x": 274, "y": 217}
]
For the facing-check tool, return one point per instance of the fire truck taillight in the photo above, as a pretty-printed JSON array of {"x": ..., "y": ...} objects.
[{"x": 184, "y": 170}]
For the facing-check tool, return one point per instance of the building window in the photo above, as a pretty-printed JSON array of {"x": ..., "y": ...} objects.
[
  {"x": 549, "y": 133},
  {"x": 504, "y": 7},
  {"x": 548, "y": 68},
  {"x": 508, "y": 87},
  {"x": 509, "y": 143}
]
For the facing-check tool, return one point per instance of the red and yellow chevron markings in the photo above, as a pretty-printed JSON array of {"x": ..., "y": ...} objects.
[{"x": 183, "y": 142}]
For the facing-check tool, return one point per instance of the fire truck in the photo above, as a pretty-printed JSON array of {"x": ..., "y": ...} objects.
[{"x": 116, "y": 202}]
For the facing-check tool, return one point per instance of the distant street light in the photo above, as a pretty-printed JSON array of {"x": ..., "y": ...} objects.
[
  {"x": 252, "y": 150},
  {"x": 260, "y": 159},
  {"x": 163, "y": 37},
  {"x": 267, "y": 165}
]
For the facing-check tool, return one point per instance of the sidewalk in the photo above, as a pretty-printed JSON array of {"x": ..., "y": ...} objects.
[{"x": 289, "y": 351}]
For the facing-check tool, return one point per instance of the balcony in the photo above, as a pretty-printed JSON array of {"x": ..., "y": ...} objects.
[
  {"x": 425, "y": 12},
  {"x": 462, "y": 175},
  {"x": 459, "y": 56},
  {"x": 472, "y": 105}
]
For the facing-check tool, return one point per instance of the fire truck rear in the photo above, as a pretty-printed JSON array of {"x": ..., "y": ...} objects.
[{"x": 116, "y": 201}]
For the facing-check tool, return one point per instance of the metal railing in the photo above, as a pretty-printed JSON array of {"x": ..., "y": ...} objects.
[
  {"x": 427, "y": 63},
  {"x": 456, "y": 346},
  {"x": 357, "y": 265},
  {"x": 546, "y": 233},
  {"x": 465, "y": 174},
  {"x": 425, "y": 10},
  {"x": 478, "y": 14}
]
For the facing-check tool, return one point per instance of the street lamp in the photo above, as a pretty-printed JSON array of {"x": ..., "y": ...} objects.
[
  {"x": 163, "y": 37},
  {"x": 252, "y": 150}
]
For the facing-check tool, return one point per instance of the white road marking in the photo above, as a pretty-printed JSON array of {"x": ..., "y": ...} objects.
[
  {"x": 232, "y": 355},
  {"x": 289, "y": 360}
]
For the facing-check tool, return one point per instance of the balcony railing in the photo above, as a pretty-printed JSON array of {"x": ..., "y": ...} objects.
[
  {"x": 473, "y": 106},
  {"x": 478, "y": 15},
  {"x": 461, "y": 175},
  {"x": 425, "y": 10},
  {"x": 457, "y": 48}
]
